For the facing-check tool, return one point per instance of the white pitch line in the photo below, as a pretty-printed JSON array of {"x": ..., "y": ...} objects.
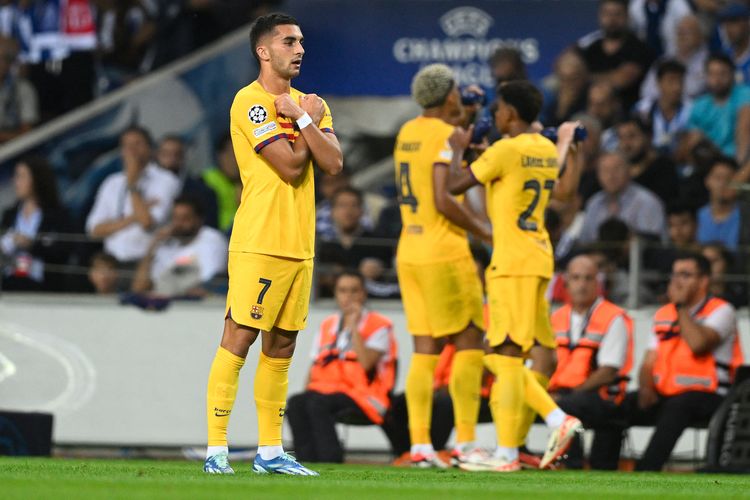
[{"x": 8, "y": 368}]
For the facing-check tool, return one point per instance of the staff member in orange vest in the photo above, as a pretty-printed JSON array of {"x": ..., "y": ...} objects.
[
  {"x": 353, "y": 374},
  {"x": 690, "y": 362},
  {"x": 594, "y": 357}
]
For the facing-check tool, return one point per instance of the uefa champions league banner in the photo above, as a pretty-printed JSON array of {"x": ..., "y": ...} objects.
[{"x": 374, "y": 48}]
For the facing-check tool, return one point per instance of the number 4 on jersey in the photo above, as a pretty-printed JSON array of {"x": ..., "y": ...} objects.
[{"x": 405, "y": 193}]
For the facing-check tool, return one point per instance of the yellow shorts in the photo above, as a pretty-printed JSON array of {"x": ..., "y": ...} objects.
[
  {"x": 441, "y": 298},
  {"x": 267, "y": 291},
  {"x": 519, "y": 311}
]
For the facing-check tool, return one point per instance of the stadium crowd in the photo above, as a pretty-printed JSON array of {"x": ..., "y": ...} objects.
[{"x": 660, "y": 86}]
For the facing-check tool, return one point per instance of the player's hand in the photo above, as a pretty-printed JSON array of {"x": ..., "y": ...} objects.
[
  {"x": 460, "y": 138},
  {"x": 313, "y": 105},
  {"x": 647, "y": 397},
  {"x": 286, "y": 107},
  {"x": 536, "y": 127},
  {"x": 481, "y": 147},
  {"x": 566, "y": 131}
]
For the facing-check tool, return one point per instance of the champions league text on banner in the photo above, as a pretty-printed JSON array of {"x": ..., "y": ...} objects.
[{"x": 374, "y": 48}]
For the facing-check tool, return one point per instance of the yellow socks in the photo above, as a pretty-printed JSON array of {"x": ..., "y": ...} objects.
[
  {"x": 528, "y": 414},
  {"x": 419, "y": 388},
  {"x": 221, "y": 393},
  {"x": 507, "y": 397},
  {"x": 465, "y": 390},
  {"x": 271, "y": 383},
  {"x": 537, "y": 396}
]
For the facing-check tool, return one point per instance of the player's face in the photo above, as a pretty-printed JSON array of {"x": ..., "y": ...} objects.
[
  {"x": 285, "y": 50},
  {"x": 580, "y": 279},
  {"x": 349, "y": 291},
  {"x": 503, "y": 117}
]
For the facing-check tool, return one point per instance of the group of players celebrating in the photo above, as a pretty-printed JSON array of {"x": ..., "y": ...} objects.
[{"x": 277, "y": 132}]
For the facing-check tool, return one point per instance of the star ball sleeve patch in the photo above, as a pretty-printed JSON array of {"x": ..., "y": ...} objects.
[{"x": 257, "y": 114}]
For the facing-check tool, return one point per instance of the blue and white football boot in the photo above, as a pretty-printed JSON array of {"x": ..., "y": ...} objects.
[
  {"x": 283, "y": 464},
  {"x": 218, "y": 464}
]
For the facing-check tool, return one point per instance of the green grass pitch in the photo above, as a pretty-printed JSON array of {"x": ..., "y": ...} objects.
[{"x": 24, "y": 478}]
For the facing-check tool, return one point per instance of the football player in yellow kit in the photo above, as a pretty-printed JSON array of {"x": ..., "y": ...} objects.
[
  {"x": 276, "y": 132},
  {"x": 441, "y": 291},
  {"x": 520, "y": 173}
]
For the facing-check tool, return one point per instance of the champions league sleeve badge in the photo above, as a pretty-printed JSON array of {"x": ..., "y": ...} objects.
[{"x": 257, "y": 114}]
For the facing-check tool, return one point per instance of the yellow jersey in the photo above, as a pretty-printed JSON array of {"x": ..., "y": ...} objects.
[
  {"x": 519, "y": 174},
  {"x": 274, "y": 217},
  {"x": 426, "y": 235}
]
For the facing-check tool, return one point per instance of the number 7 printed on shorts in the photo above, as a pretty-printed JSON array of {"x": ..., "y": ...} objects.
[{"x": 256, "y": 311}]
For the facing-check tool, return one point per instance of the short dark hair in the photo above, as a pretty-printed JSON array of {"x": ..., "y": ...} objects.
[
  {"x": 704, "y": 266},
  {"x": 142, "y": 131},
  {"x": 104, "y": 258},
  {"x": 265, "y": 25},
  {"x": 640, "y": 124},
  {"x": 724, "y": 160},
  {"x": 172, "y": 138},
  {"x": 349, "y": 273},
  {"x": 613, "y": 230},
  {"x": 721, "y": 58},
  {"x": 524, "y": 97},
  {"x": 193, "y": 202},
  {"x": 350, "y": 190},
  {"x": 680, "y": 207},
  {"x": 670, "y": 67}
]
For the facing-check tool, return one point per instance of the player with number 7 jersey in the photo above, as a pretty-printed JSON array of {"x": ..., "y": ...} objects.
[{"x": 440, "y": 287}]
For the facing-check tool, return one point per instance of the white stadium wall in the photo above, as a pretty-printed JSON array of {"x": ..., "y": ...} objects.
[{"x": 115, "y": 375}]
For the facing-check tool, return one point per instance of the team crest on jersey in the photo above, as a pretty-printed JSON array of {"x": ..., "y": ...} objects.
[
  {"x": 257, "y": 114},
  {"x": 256, "y": 312}
]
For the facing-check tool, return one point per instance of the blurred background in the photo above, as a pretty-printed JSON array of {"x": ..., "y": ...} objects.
[{"x": 102, "y": 331}]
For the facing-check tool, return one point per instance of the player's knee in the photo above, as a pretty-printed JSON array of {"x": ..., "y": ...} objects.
[
  {"x": 237, "y": 339},
  {"x": 279, "y": 343}
]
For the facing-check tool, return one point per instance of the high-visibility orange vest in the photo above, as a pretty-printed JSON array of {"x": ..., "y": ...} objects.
[
  {"x": 575, "y": 363},
  {"x": 676, "y": 369},
  {"x": 339, "y": 371}
]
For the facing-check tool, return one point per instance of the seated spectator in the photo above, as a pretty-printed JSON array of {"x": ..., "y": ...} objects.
[
  {"x": 594, "y": 357},
  {"x": 689, "y": 365},
  {"x": 184, "y": 255},
  {"x": 722, "y": 263},
  {"x": 103, "y": 274},
  {"x": 721, "y": 219},
  {"x": 692, "y": 52},
  {"x": 723, "y": 113},
  {"x": 614, "y": 54},
  {"x": 638, "y": 207},
  {"x": 131, "y": 204},
  {"x": 605, "y": 105},
  {"x": 350, "y": 246},
  {"x": 570, "y": 91},
  {"x": 667, "y": 113},
  {"x": 28, "y": 242},
  {"x": 682, "y": 227},
  {"x": 352, "y": 376},
  {"x": 734, "y": 36},
  {"x": 656, "y": 22},
  {"x": 647, "y": 167},
  {"x": 327, "y": 187},
  {"x": 19, "y": 104},
  {"x": 225, "y": 185},
  {"x": 170, "y": 155}
]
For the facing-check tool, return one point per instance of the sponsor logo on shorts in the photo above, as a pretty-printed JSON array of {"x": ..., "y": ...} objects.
[{"x": 256, "y": 312}]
